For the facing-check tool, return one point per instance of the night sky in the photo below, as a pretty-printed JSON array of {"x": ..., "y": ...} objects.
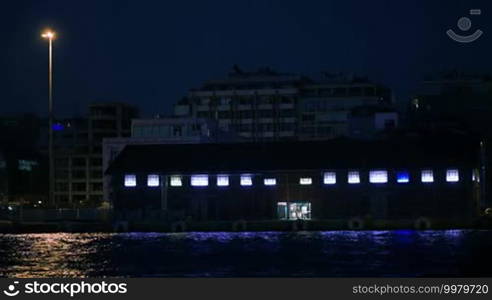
[{"x": 149, "y": 53}]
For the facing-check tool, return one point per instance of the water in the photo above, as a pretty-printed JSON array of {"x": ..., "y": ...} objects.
[{"x": 273, "y": 254}]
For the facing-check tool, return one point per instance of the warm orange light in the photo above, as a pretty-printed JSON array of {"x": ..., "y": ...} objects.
[{"x": 48, "y": 35}]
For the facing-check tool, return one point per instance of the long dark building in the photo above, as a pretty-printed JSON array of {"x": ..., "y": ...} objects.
[{"x": 401, "y": 178}]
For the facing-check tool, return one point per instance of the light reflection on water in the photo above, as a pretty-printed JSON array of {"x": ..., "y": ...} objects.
[{"x": 224, "y": 254}]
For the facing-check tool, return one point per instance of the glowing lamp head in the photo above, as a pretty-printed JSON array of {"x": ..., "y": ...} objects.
[{"x": 48, "y": 35}]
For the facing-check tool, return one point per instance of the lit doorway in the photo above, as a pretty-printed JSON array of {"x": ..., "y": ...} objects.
[{"x": 294, "y": 210}]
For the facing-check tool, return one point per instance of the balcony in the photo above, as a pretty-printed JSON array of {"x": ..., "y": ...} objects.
[
  {"x": 289, "y": 120},
  {"x": 224, "y": 107},
  {"x": 265, "y": 120},
  {"x": 286, "y": 133},
  {"x": 244, "y": 107},
  {"x": 265, "y": 106},
  {"x": 225, "y": 121},
  {"x": 286, "y": 105},
  {"x": 246, "y": 121},
  {"x": 267, "y": 134},
  {"x": 246, "y": 134}
]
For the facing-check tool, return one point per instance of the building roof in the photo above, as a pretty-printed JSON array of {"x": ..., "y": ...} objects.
[{"x": 260, "y": 157}]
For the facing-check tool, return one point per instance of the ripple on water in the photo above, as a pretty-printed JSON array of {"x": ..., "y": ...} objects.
[{"x": 232, "y": 254}]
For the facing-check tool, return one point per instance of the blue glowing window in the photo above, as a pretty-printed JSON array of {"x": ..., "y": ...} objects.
[
  {"x": 330, "y": 178},
  {"x": 353, "y": 177},
  {"x": 199, "y": 180},
  {"x": 222, "y": 180},
  {"x": 153, "y": 180},
  {"x": 452, "y": 175},
  {"x": 427, "y": 176},
  {"x": 380, "y": 176},
  {"x": 270, "y": 181},
  {"x": 130, "y": 180},
  {"x": 246, "y": 180},
  {"x": 402, "y": 177},
  {"x": 58, "y": 127}
]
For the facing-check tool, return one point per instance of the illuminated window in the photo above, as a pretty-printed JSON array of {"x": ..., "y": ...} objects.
[
  {"x": 153, "y": 180},
  {"x": 330, "y": 178},
  {"x": 305, "y": 180},
  {"x": 130, "y": 180},
  {"x": 427, "y": 176},
  {"x": 475, "y": 175},
  {"x": 270, "y": 181},
  {"x": 402, "y": 177},
  {"x": 452, "y": 175},
  {"x": 199, "y": 180},
  {"x": 222, "y": 180},
  {"x": 176, "y": 181},
  {"x": 246, "y": 180},
  {"x": 353, "y": 177},
  {"x": 380, "y": 176},
  {"x": 27, "y": 165},
  {"x": 294, "y": 210}
]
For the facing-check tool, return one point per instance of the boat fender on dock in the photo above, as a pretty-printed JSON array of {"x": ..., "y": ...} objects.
[
  {"x": 120, "y": 226},
  {"x": 299, "y": 224},
  {"x": 356, "y": 224},
  {"x": 422, "y": 223},
  {"x": 239, "y": 225},
  {"x": 178, "y": 226}
]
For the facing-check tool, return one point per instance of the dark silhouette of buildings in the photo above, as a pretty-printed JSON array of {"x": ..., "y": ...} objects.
[
  {"x": 269, "y": 106},
  {"x": 78, "y": 152},
  {"x": 22, "y": 165}
]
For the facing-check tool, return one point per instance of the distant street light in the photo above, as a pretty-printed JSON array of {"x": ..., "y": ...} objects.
[{"x": 50, "y": 36}]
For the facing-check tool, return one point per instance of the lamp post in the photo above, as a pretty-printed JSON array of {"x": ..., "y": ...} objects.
[{"x": 50, "y": 35}]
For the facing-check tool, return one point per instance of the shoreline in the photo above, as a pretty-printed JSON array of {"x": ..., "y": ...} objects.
[{"x": 69, "y": 226}]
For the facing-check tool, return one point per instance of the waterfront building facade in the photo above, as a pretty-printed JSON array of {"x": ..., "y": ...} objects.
[
  {"x": 407, "y": 178},
  {"x": 163, "y": 131}
]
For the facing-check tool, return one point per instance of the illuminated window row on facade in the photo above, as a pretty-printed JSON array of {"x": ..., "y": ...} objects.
[
  {"x": 329, "y": 178},
  {"x": 381, "y": 176}
]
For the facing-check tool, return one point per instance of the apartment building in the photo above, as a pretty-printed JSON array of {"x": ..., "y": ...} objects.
[
  {"x": 325, "y": 107},
  {"x": 258, "y": 105},
  {"x": 269, "y": 106},
  {"x": 78, "y": 152}
]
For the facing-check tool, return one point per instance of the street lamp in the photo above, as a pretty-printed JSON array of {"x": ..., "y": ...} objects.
[{"x": 50, "y": 36}]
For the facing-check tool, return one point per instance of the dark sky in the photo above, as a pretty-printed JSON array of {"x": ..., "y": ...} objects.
[{"x": 150, "y": 53}]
